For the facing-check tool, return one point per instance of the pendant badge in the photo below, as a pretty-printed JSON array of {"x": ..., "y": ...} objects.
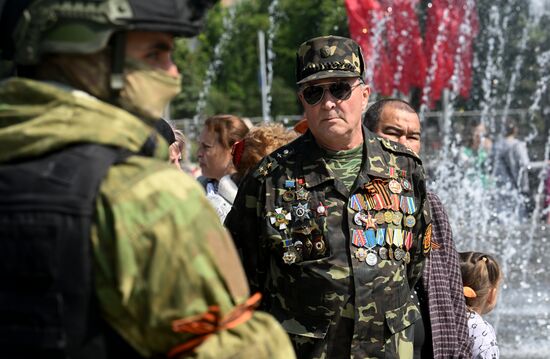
[
  {"x": 397, "y": 217},
  {"x": 410, "y": 221},
  {"x": 399, "y": 254},
  {"x": 395, "y": 186},
  {"x": 383, "y": 253},
  {"x": 371, "y": 259}
]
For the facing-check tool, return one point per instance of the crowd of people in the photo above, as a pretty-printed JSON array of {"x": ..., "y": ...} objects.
[{"x": 317, "y": 243}]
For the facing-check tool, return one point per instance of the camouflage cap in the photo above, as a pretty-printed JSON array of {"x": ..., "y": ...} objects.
[{"x": 328, "y": 56}]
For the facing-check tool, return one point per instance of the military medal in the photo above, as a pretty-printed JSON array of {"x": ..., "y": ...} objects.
[
  {"x": 302, "y": 194},
  {"x": 388, "y": 216},
  {"x": 359, "y": 218},
  {"x": 380, "y": 236},
  {"x": 408, "y": 240},
  {"x": 289, "y": 257},
  {"x": 361, "y": 254},
  {"x": 407, "y": 258},
  {"x": 288, "y": 196},
  {"x": 287, "y": 243},
  {"x": 411, "y": 205},
  {"x": 410, "y": 221},
  {"x": 358, "y": 238},
  {"x": 301, "y": 212},
  {"x": 357, "y": 202},
  {"x": 319, "y": 245},
  {"x": 397, "y": 217},
  {"x": 322, "y": 210},
  {"x": 406, "y": 184},
  {"x": 398, "y": 239},
  {"x": 369, "y": 221},
  {"x": 399, "y": 254},
  {"x": 383, "y": 253},
  {"x": 372, "y": 258},
  {"x": 379, "y": 218},
  {"x": 394, "y": 202},
  {"x": 290, "y": 183},
  {"x": 280, "y": 218},
  {"x": 408, "y": 205},
  {"x": 395, "y": 186}
]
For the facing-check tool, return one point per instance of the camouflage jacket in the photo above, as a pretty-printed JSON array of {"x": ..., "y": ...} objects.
[
  {"x": 310, "y": 246},
  {"x": 156, "y": 240}
]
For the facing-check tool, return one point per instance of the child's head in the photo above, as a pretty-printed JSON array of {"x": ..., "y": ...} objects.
[{"x": 481, "y": 276}]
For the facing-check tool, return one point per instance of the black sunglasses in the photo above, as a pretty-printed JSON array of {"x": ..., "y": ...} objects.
[{"x": 340, "y": 90}]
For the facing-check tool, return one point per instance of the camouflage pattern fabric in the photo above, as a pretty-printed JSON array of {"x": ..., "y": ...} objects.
[
  {"x": 156, "y": 240},
  {"x": 328, "y": 56},
  {"x": 345, "y": 164},
  {"x": 293, "y": 222}
]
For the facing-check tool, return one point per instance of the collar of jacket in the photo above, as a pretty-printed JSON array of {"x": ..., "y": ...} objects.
[{"x": 316, "y": 171}]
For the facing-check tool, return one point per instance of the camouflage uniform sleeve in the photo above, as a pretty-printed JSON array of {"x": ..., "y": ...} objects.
[
  {"x": 161, "y": 254},
  {"x": 423, "y": 224},
  {"x": 243, "y": 222}
]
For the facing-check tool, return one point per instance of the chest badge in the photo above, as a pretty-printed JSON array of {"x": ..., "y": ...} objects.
[
  {"x": 280, "y": 218},
  {"x": 322, "y": 210},
  {"x": 301, "y": 212}
]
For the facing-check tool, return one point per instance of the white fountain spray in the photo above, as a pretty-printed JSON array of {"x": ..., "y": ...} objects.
[
  {"x": 227, "y": 32},
  {"x": 274, "y": 15}
]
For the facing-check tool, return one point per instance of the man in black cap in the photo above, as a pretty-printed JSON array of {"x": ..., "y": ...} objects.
[{"x": 333, "y": 227}]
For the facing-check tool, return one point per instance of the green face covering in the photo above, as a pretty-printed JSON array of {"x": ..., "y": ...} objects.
[{"x": 147, "y": 90}]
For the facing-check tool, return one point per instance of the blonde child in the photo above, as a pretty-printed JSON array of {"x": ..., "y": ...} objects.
[{"x": 481, "y": 276}]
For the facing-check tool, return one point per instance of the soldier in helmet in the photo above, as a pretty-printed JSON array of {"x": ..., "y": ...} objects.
[
  {"x": 334, "y": 227},
  {"x": 107, "y": 250}
]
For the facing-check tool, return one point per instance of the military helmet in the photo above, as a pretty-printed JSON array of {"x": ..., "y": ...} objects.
[
  {"x": 327, "y": 57},
  {"x": 38, "y": 27}
]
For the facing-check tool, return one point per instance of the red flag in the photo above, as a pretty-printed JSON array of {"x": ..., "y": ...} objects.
[
  {"x": 389, "y": 34},
  {"x": 366, "y": 24},
  {"x": 404, "y": 43},
  {"x": 450, "y": 29}
]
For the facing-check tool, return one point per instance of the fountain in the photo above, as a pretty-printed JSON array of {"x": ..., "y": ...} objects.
[
  {"x": 481, "y": 218},
  {"x": 473, "y": 201}
]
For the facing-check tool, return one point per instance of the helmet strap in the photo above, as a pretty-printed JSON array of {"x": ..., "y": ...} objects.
[{"x": 118, "y": 53}]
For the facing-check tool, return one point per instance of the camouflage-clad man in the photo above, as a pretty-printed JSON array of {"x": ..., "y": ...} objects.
[
  {"x": 95, "y": 75},
  {"x": 332, "y": 226}
]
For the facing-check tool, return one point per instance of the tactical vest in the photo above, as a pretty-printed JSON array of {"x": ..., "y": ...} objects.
[{"x": 48, "y": 308}]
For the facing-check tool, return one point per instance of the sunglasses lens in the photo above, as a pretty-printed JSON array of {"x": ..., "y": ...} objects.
[
  {"x": 313, "y": 94},
  {"x": 340, "y": 90}
]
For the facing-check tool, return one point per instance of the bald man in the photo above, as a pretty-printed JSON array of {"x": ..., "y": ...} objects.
[{"x": 440, "y": 292}]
